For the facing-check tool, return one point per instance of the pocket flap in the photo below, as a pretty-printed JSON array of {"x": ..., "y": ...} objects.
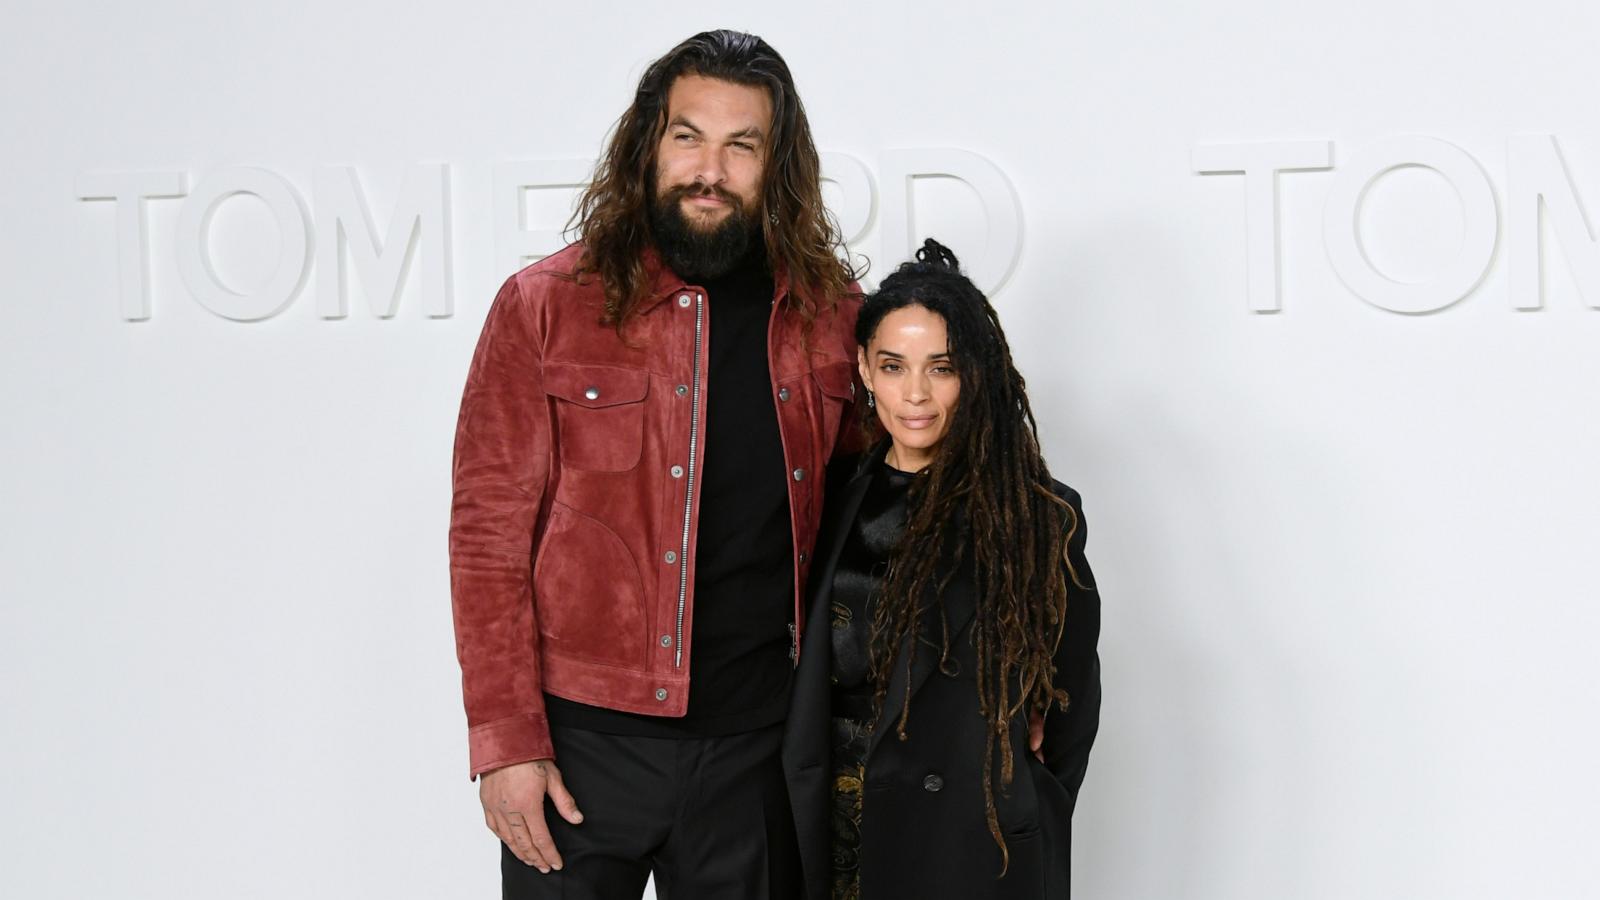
[
  {"x": 836, "y": 379},
  {"x": 595, "y": 386}
]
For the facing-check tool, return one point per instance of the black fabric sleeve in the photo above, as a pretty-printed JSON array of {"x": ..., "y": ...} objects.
[{"x": 1069, "y": 733}]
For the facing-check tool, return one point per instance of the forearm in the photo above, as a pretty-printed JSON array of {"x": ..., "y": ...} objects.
[
  {"x": 498, "y": 647},
  {"x": 500, "y": 469},
  {"x": 1069, "y": 734}
]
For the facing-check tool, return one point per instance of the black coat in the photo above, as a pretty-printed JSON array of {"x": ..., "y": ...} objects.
[{"x": 923, "y": 830}]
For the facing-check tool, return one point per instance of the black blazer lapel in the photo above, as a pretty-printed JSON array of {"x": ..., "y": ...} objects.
[{"x": 958, "y": 605}]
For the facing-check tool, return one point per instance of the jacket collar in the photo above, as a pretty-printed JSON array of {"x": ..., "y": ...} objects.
[{"x": 663, "y": 281}]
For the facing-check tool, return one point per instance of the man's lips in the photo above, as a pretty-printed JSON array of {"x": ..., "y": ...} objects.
[{"x": 708, "y": 200}]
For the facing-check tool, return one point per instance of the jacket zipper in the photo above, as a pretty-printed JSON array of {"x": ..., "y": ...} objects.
[{"x": 688, "y": 488}]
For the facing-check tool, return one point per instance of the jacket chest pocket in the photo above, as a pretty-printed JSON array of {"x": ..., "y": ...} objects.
[
  {"x": 835, "y": 387},
  {"x": 599, "y": 415}
]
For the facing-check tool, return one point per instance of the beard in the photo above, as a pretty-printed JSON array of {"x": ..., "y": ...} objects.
[{"x": 695, "y": 252}]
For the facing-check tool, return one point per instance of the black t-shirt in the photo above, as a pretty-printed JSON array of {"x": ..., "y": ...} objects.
[{"x": 739, "y": 666}]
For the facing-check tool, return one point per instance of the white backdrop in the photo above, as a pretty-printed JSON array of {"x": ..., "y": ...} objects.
[{"x": 1347, "y": 555}]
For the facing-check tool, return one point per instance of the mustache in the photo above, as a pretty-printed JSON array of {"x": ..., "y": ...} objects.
[{"x": 679, "y": 191}]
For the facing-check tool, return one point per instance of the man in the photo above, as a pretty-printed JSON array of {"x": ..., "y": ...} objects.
[{"x": 638, "y": 483}]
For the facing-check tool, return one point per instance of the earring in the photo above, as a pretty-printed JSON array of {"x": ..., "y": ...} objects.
[{"x": 871, "y": 402}]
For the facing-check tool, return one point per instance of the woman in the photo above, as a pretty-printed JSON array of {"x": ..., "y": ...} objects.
[{"x": 908, "y": 746}]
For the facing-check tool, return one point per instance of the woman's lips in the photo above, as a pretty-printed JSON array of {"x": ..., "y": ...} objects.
[{"x": 916, "y": 422}]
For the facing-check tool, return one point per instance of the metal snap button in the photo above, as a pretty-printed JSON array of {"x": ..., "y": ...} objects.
[
  {"x": 671, "y": 557},
  {"x": 783, "y": 394},
  {"x": 592, "y": 392},
  {"x": 661, "y": 693},
  {"x": 677, "y": 471},
  {"x": 933, "y": 783},
  {"x": 682, "y": 389},
  {"x": 683, "y": 299},
  {"x": 799, "y": 474},
  {"x": 666, "y": 640}
]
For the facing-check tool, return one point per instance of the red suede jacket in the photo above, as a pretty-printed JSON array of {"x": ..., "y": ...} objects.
[{"x": 572, "y": 533}]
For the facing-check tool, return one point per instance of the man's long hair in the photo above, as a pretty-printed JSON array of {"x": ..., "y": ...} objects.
[
  {"x": 986, "y": 503},
  {"x": 612, "y": 218}
]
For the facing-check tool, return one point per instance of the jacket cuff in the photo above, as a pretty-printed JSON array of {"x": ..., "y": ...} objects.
[{"x": 506, "y": 742}]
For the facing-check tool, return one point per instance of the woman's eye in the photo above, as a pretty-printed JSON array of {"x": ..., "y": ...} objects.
[{"x": 890, "y": 367}]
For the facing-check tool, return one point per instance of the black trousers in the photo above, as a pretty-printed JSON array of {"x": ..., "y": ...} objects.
[{"x": 709, "y": 817}]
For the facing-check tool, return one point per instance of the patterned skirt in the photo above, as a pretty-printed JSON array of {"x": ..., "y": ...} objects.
[{"x": 850, "y": 741}]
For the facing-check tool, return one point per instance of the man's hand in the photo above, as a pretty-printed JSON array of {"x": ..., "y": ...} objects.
[
  {"x": 513, "y": 808},
  {"x": 1036, "y": 734}
]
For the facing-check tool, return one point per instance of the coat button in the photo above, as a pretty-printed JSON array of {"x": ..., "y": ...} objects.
[
  {"x": 933, "y": 783},
  {"x": 592, "y": 392},
  {"x": 661, "y": 693},
  {"x": 783, "y": 394},
  {"x": 671, "y": 557},
  {"x": 677, "y": 471},
  {"x": 666, "y": 640},
  {"x": 799, "y": 474},
  {"x": 682, "y": 389},
  {"x": 683, "y": 300}
]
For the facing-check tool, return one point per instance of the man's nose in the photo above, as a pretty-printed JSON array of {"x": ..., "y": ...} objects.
[{"x": 709, "y": 169}]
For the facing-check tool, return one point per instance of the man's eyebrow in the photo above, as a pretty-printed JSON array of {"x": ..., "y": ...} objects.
[
  {"x": 679, "y": 121},
  {"x": 753, "y": 131}
]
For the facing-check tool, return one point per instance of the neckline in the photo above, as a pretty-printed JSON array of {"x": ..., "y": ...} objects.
[
  {"x": 750, "y": 269},
  {"x": 892, "y": 472}
]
